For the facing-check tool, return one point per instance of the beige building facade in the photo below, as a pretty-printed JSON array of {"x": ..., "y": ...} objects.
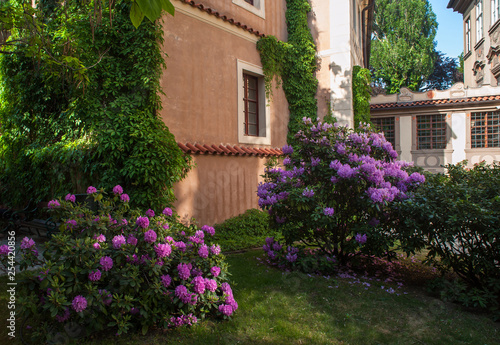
[
  {"x": 341, "y": 30},
  {"x": 436, "y": 128},
  {"x": 481, "y": 40}
]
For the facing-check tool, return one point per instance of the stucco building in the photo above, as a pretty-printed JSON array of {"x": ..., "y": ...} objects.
[
  {"x": 436, "y": 128},
  {"x": 214, "y": 100}
]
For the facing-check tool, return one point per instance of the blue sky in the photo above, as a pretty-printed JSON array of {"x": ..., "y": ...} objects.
[{"x": 449, "y": 35}]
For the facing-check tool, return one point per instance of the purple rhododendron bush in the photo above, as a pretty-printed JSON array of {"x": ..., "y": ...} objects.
[
  {"x": 118, "y": 268},
  {"x": 334, "y": 193}
]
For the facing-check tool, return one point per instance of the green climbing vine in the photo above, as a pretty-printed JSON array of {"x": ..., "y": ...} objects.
[
  {"x": 60, "y": 133},
  {"x": 293, "y": 63},
  {"x": 361, "y": 79}
]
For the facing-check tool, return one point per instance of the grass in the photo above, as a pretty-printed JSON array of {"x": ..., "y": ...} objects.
[{"x": 293, "y": 308}]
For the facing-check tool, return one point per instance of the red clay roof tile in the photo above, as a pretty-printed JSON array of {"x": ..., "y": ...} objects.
[
  {"x": 213, "y": 12},
  {"x": 201, "y": 148},
  {"x": 215, "y": 148},
  {"x": 183, "y": 147},
  {"x": 228, "y": 150},
  {"x": 191, "y": 147},
  {"x": 434, "y": 102}
]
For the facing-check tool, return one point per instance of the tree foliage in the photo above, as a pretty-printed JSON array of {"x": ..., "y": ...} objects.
[
  {"x": 62, "y": 129},
  {"x": 402, "y": 50},
  {"x": 445, "y": 73}
]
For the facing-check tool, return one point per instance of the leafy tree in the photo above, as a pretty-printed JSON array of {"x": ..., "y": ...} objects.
[
  {"x": 31, "y": 26},
  {"x": 444, "y": 75},
  {"x": 65, "y": 126},
  {"x": 402, "y": 53}
]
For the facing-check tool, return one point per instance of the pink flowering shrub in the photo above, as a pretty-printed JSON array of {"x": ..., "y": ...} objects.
[
  {"x": 335, "y": 189},
  {"x": 117, "y": 267}
]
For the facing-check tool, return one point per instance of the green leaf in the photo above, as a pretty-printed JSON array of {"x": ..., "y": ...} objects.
[
  {"x": 167, "y": 6},
  {"x": 150, "y": 8},
  {"x": 136, "y": 15}
]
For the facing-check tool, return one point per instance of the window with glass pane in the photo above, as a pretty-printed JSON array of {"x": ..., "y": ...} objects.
[
  {"x": 467, "y": 35},
  {"x": 431, "y": 132},
  {"x": 251, "y": 100},
  {"x": 479, "y": 20},
  {"x": 386, "y": 126},
  {"x": 495, "y": 9},
  {"x": 249, "y": 1},
  {"x": 485, "y": 129}
]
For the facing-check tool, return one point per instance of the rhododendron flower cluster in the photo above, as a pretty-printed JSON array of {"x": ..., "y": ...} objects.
[
  {"x": 53, "y": 204},
  {"x": 118, "y": 190},
  {"x": 4, "y": 250},
  {"x": 95, "y": 275},
  {"x": 79, "y": 303},
  {"x": 142, "y": 222},
  {"x": 183, "y": 320},
  {"x": 150, "y": 236},
  {"x": 333, "y": 183},
  {"x": 70, "y": 197}
]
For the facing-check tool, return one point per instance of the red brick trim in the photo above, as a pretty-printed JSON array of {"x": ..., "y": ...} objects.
[
  {"x": 228, "y": 150},
  {"x": 213, "y": 12}
]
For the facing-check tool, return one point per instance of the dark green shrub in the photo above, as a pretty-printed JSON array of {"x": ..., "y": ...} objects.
[
  {"x": 244, "y": 231},
  {"x": 457, "y": 217},
  {"x": 122, "y": 269}
]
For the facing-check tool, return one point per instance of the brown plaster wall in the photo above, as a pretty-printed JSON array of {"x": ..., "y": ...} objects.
[
  {"x": 219, "y": 188},
  {"x": 200, "y": 83},
  {"x": 200, "y": 104}
]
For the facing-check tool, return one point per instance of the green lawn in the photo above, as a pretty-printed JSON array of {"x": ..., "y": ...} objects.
[{"x": 294, "y": 308}]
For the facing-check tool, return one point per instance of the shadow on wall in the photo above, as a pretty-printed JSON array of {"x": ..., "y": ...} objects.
[
  {"x": 218, "y": 188},
  {"x": 341, "y": 92}
]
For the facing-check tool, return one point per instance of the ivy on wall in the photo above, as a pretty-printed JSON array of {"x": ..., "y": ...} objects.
[
  {"x": 60, "y": 134},
  {"x": 361, "y": 79},
  {"x": 293, "y": 63}
]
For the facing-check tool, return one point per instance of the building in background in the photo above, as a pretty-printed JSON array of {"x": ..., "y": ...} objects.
[
  {"x": 214, "y": 96},
  {"x": 436, "y": 128}
]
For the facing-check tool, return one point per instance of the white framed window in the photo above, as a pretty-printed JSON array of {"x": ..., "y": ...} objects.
[
  {"x": 254, "y": 114},
  {"x": 495, "y": 10},
  {"x": 257, "y": 7},
  {"x": 467, "y": 35},
  {"x": 479, "y": 20}
]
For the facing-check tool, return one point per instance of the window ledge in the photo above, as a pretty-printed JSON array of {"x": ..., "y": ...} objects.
[
  {"x": 467, "y": 55},
  {"x": 494, "y": 26},
  {"x": 259, "y": 8},
  {"x": 482, "y": 149},
  {"x": 478, "y": 44},
  {"x": 431, "y": 151}
]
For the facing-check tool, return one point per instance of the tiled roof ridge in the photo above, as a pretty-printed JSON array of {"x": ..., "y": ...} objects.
[
  {"x": 228, "y": 150},
  {"x": 430, "y": 102},
  {"x": 225, "y": 18}
]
